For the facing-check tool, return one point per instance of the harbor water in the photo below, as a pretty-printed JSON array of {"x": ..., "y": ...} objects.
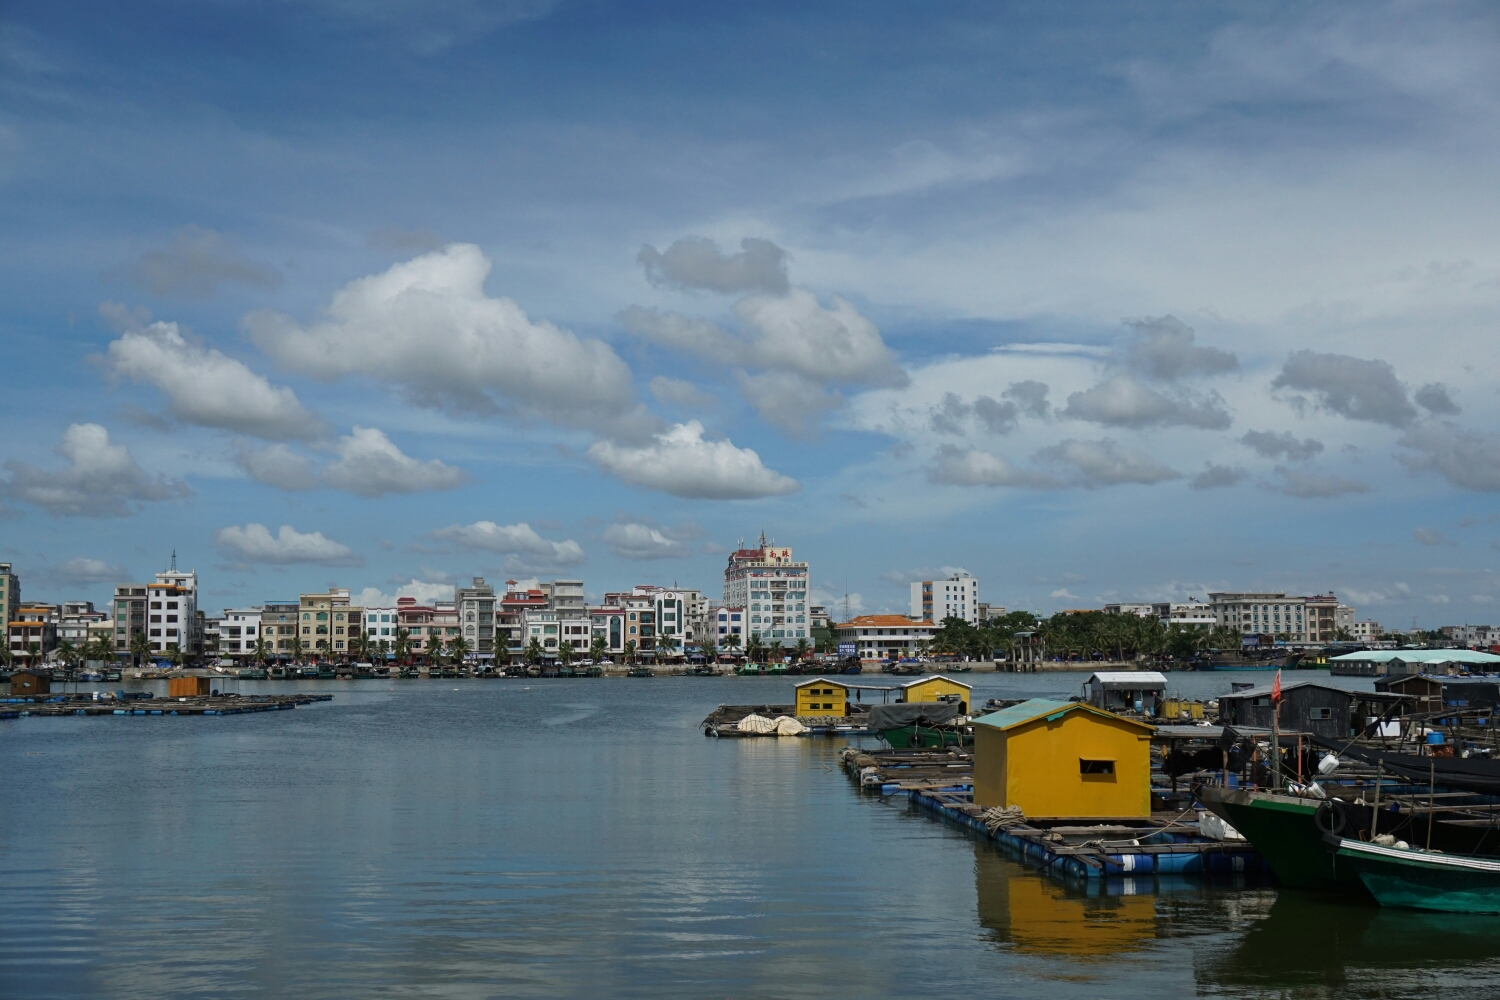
[{"x": 570, "y": 838}]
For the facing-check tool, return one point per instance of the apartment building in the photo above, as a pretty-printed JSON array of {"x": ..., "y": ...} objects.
[
  {"x": 239, "y": 631},
  {"x": 1368, "y": 631},
  {"x": 75, "y": 620},
  {"x": 278, "y": 624},
  {"x": 476, "y": 612},
  {"x": 328, "y": 623},
  {"x": 129, "y": 609},
  {"x": 185, "y": 631},
  {"x": 773, "y": 588},
  {"x": 10, "y": 592},
  {"x": 428, "y": 626},
  {"x": 880, "y": 637},
  {"x": 955, "y": 597},
  {"x": 1299, "y": 619},
  {"x": 31, "y": 634}
]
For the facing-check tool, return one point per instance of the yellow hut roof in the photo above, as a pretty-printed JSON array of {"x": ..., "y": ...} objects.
[
  {"x": 820, "y": 680},
  {"x": 1039, "y": 708},
  {"x": 937, "y": 677}
]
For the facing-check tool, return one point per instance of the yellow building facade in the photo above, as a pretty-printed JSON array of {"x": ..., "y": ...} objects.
[
  {"x": 936, "y": 688},
  {"x": 1063, "y": 759},
  {"x": 822, "y": 696}
]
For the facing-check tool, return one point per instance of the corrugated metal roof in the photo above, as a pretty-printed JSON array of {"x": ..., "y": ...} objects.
[
  {"x": 1417, "y": 656},
  {"x": 1134, "y": 679},
  {"x": 1038, "y": 708}
]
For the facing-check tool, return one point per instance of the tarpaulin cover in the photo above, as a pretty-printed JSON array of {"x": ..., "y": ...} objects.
[{"x": 921, "y": 713}]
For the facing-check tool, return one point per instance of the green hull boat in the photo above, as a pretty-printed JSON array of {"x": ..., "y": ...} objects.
[
  {"x": 1284, "y": 830},
  {"x": 1420, "y": 880},
  {"x": 908, "y": 737}
]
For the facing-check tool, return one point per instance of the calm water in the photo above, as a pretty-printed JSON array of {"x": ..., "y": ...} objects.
[{"x": 582, "y": 838}]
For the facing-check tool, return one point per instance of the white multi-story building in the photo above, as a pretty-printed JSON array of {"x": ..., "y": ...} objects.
[
  {"x": 239, "y": 630},
  {"x": 382, "y": 623},
  {"x": 75, "y": 621},
  {"x": 476, "y": 613},
  {"x": 1139, "y": 610},
  {"x": 886, "y": 637},
  {"x": 1367, "y": 631},
  {"x": 186, "y": 634},
  {"x": 731, "y": 622},
  {"x": 1191, "y": 613},
  {"x": 1300, "y": 619},
  {"x": 955, "y": 597},
  {"x": 773, "y": 589}
]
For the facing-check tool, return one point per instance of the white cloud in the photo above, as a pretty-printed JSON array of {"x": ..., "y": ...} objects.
[
  {"x": 641, "y": 541},
  {"x": 81, "y": 570},
  {"x": 428, "y": 326},
  {"x": 1122, "y": 401},
  {"x": 276, "y": 465},
  {"x": 680, "y": 393},
  {"x": 1216, "y": 476},
  {"x": 1437, "y": 399},
  {"x": 1468, "y": 459},
  {"x": 955, "y": 466},
  {"x": 679, "y": 461},
  {"x": 1357, "y": 388},
  {"x": 520, "y": 540},
  {"x": 1065, "y": 594},
  {"x": 1269, "y": 444},
  {"x": 207, "y": 388},
  {"x": 795, "y": 332},
  {"x": 1164, "y": 349},
  {"x": 254, "y": 543},
  {"x": 1315, "y": 485},
  {"x": 696, "y": 263},
  {"x": 1106, "y": 463},
  {"x": 787, "y": 400},
  {"x": 424, "y": 591},
  {"x": 100, "y": 481},
  {"x": 370, "y": 465}
]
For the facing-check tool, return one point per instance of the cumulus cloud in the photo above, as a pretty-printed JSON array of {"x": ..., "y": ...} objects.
[
  {"x": 81, "y": 570},
  {"x": 254, "y": 543},
  {"x": 787, "y": 400},
  {"x": 371, "y": 465},
  {"x": 1164, "y": 349},
  {"x": 426, "y": 592},
  {"x": 1428, "y": 536},
  {"x": 677, "y": 332},
  {"x": 1269, "y": 444},
  {"x": 520, "y": 540},
  {"x": 1435, "y": 398},
  {"x": 1095, "y": 464},
  {"x": 679, "y": 461},
  {"x": 696, "y": 263},
  {"x": 632, "y": 540},
  {"x": 952, "y": 414},
  {"x": 1030, "y": 395},
  {"x": 1468, "y": 459},
  {"x": 1123, "y": 401},
  {"x": 1216, "y": 477},
  {"x": 1357, "y": 388},
  {"x": 795, "y": 332},
  {"x": 206, "y": 387},
  {"x": 955, "y": 466},
  {"x": 428, "y": 326},
  {"x": 100, "y": 480},
  {"x": 196, "y": 263},
  {"x": 1315, "y": 486},
  {"x": 276, "y": 465},
  {"x": 680, "y": 393}
]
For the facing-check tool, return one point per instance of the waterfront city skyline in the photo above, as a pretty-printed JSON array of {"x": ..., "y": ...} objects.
[{"x": 1111, "y": 303}]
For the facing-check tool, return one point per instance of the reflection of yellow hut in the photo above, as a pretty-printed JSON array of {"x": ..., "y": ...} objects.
[
  {"x": 822, "y": 696},
  {"x": 936, "y": 688},
  {"x": 1040, "y": 916},
  {"x": 1063, "y": 759}
]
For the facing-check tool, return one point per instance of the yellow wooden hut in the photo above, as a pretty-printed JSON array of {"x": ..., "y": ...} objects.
[
  {"x": 1063, "y": 759},
  {"x": 936, "y": 688},
  {"x": 821, "y": 697}
]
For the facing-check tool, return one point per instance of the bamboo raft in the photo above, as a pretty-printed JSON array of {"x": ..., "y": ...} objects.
[
  {"x": 86, "y": 705},
  {"x": 724, "y": 721}
]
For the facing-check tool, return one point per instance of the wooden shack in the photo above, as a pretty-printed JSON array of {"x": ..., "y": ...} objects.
[
  {"x": 1306, "y": 706},
  {"x": 189, "y": 687},
  {"x": 937, "y": 688},
  {"x": 25, "y": 683},
  {"x": 1064, "y": 759},
  {"x": 1426, "y": 693},
  {"x": 822, "y": 697},
  {"x": 1126, "y": 690},
  {"x": 1470, "y": 692}
]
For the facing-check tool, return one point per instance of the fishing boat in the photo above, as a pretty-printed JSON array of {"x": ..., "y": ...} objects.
[
  {"x": 920, "y": 724},
  {"x": 1415, "y": 879},
  {"x": 640, "y": 672},
  {"x": 1283, "y": 829}
]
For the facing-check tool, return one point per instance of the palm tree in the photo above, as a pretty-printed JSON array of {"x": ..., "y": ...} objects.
[
  {"x": 667, "y": 644},
  {"x": 383, "y": 647},
  {"x": 140, "y": 648},
  {"x": 709, "y": 649},
  {"x": 296, "y": 649},
  {"x": 565, "y": 651},
  {"x": 754, "y": 646},
  {"x": 175, "y": 654},
  {"x": 803, "y": 648},
  {"x": 402, "y": 645},
  {"x": 262, "y": 649},
  {"x": 534, "y": 651},
  {"x": 732, "y": 642},
  {"x": 598, "y": 648},
  {"x": 67, "y": 653},
  {"x": 458, "y": 648},
  {"x": 630, "y": 648}
]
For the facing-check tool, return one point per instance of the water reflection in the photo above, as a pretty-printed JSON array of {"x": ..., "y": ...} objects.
[{"x": 1307, "y": 939}]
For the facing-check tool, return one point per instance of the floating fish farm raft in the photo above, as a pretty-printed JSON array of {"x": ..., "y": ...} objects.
[
  {"x": 724, "y": 721},
  {"x": 133, "y": 704},
  {"x": 941, "y": 784}
]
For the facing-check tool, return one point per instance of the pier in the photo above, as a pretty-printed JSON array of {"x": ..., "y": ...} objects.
[{"x": 86, "y": 704}]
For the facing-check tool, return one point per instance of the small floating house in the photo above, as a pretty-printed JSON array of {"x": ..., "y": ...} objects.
[
  {"x": 937, "y": 688},
  {"x": 25, "y": 683},
  {"x": 1063, "y": 759},
  {"x": 188, "y": 687},
  {"x": 820, "y": 697},
  {"x": 1126, "y": 690}
]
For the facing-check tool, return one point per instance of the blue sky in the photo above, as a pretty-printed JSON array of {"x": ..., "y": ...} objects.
[{"x": 1096, "y": 301}]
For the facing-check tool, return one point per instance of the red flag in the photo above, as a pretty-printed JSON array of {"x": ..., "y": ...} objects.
[{"x": 1276, "y": 689}]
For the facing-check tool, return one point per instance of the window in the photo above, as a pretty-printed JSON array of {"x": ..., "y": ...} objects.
[
  {"x": 1086, "y": 766},
  {"x": 1320, "y": 713}
]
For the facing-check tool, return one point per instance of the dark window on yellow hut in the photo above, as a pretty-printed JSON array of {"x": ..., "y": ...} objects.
[{"x": 1095, "y": 766}]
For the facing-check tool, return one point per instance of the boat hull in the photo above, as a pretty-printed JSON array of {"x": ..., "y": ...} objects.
[
  {"x": 1415, "y": 880},
  {"x": 1283, "y": 829},
  {"x": 930, "y": 737}
]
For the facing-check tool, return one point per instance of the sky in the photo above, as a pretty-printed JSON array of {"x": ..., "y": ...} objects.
[{"x": 1095, "y": 301}]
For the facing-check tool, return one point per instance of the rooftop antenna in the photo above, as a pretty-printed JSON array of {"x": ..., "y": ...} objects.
[
  {"x": 846, "y": 600},
  {"x": 174, "y": 560},
  {"x": 763, "y": 538}
]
